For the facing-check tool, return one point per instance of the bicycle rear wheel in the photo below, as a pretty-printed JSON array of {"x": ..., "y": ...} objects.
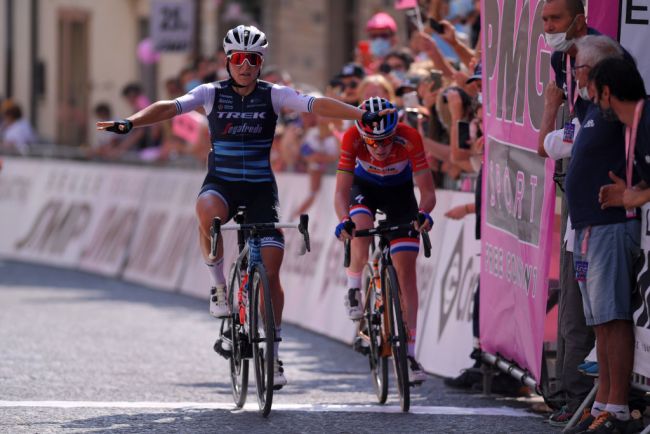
[
  {"x": 398, "y": 336},
  {"x": 374, "y": 327},
  {"x": 262, "y": 336},
  {"x": 239, "y": 343}
]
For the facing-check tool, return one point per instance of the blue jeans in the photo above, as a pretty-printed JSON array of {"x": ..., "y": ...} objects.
[{"x": 607, "y": 276}]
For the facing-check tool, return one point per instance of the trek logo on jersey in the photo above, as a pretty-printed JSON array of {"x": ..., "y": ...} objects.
[
  {"x": 237, "y": 115},
  {"x": 241, "y": 129}
]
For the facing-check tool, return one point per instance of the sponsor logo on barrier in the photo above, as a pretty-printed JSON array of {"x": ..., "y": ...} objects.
[
  {"x": 457, "y": 287},
  {"x": 112, "y": 237},
  {"x": 55, "y": 226}
]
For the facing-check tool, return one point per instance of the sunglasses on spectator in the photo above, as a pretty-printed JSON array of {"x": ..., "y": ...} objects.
[
  {"x": 238, "y": 59},
  {"x": 574, "y": 70},
  {"x": 351, "y": 85},
  {"x": 374, "y": 144}
]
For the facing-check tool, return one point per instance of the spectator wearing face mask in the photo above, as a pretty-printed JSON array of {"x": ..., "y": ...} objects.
[
  {"x": 396, "y": 65},
  {"x": 382, "y": 33}
]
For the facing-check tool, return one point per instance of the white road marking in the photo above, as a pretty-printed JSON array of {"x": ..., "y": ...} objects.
[{"x": 428, "y": 410}]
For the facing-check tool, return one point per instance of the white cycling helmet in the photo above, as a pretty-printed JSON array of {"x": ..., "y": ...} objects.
[{"x": 245, "y": 38}]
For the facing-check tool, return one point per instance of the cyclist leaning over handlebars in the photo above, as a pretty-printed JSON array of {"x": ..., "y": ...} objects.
[
  {"x": 376, "y": 170},
  {"x": 242, "y": 113}
]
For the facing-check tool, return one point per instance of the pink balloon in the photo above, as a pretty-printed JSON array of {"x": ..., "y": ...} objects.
[{"x": 147, "y": 54}]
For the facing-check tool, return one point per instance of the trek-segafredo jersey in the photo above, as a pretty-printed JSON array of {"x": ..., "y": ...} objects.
[{"x": 242, "y": 127}]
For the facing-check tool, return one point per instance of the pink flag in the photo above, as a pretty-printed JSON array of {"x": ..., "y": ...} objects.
[{"x": 405, "y": 4}]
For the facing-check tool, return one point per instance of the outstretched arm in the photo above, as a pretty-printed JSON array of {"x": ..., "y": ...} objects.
[
  {"x": 332, "y": 108},
  {"x": 156, "y": 112}
]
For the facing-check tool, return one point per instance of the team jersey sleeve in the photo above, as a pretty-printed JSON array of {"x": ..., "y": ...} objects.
[
  {"x": 414, "y": 147},
  {"x": 200, "y": 96},
  {"x": 286, "y": 97},
  {"x": 348, "y": 157}
]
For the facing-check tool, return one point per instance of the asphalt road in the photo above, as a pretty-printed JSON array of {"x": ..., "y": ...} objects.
[{"x": 81, "y": 353}]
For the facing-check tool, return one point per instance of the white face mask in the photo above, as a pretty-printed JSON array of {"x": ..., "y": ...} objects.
[
  {"x": 558, "y": 41},
  {"x": 584, "y": 93}
]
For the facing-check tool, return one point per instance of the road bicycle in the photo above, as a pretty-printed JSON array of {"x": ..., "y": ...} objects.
[
  {"x": 249, "y": 330},
  {"x": 382, "y": 327}
]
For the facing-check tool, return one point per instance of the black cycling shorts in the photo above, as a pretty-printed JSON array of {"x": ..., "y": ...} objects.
[
  {"x": 397, "y": 202},
  {"x": 260, "y": 199}
]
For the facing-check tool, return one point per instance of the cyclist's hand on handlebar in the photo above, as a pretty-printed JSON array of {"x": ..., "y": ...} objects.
[
  {"x": 122, "y": 126},
  {"x": 345, "y": 229},
  {"x": 423, "y": 222}
]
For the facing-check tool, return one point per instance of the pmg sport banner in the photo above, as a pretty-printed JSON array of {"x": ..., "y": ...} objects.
[{"x": 518, "y": 191}]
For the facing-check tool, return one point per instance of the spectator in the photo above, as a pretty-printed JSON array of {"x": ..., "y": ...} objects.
[
  {"x": 627, "y": 100},
  {"x": 319, "y": 149},
  {"x": 274, "y": 74},
  {"x": 145, "y": 141},
  {"x": 376, "y": 85},
  {"x": 609, "y": 245},
  {"x": 348, "y": 82},
  {"x": 382, "y": 33},
  {"x": 104, "y": 143},
  {"x": 17, "y": 134},
  {"x": 564, "y": 20},
  {"x": 396, "y": 65}
]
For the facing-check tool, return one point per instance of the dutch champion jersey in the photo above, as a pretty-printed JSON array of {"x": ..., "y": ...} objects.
[
  {"x": 406, "y": 157},
  {"x": 242, "y": 127}
]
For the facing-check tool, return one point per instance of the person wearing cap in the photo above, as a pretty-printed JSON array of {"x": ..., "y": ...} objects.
[
  {"x": 348, "y": 82},
  {"x": 382, "y": 32}
]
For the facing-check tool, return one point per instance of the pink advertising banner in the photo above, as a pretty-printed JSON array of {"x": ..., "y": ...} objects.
[
  {"x": 518, "y": 191},
  {"x": 603, "y": 15}
]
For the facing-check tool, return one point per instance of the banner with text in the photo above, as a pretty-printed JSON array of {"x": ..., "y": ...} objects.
[
  {"x": 138, "y": 224},
  {"x": 518, "y": 190}
]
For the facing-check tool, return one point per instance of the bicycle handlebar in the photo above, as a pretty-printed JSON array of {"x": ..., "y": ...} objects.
[
  {"x": 302, "y": 226},
  {"x": 384, "y": 229}
]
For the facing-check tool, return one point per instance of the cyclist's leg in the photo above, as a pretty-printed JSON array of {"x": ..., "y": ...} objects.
[
  {"x": 212, "y": 202},
  {"x": 362, "y": 213},
  {"x": 272, "y": 255}
]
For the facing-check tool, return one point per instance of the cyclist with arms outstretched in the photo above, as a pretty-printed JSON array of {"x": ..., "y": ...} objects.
[
  {"x": 376, "y": 170},
  {"x": 242, "y": 112}
]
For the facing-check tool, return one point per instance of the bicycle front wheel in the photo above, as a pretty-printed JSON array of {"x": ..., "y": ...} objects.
[
  {"x": 398, "y": 336},
  {"x": 262, "y": 336},
  {"x": 374, "y": 327},
  {"x": 239, "y": 343}
]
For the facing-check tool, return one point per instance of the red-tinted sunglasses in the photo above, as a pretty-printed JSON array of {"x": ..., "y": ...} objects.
[
  {"x": 374, "y": 144},
  {"x": 238, "y": 59}
]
